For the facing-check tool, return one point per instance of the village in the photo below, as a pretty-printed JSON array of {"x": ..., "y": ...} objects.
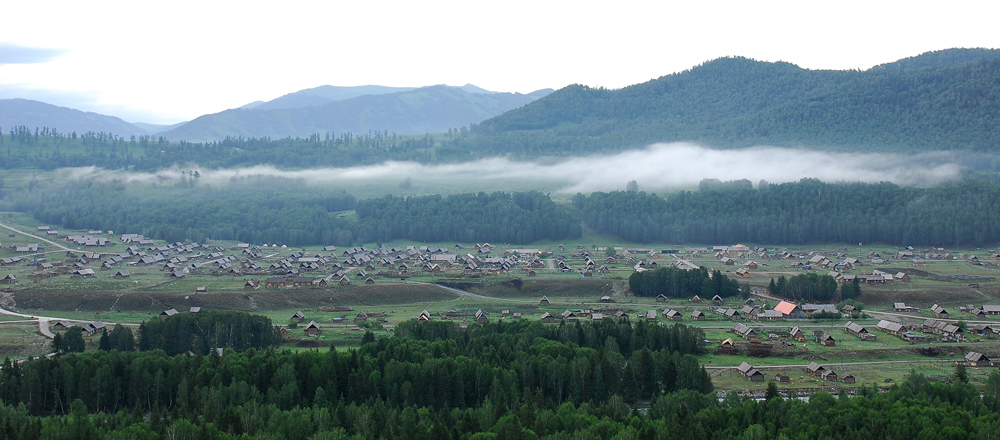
[{"x": 760, "y": 325}]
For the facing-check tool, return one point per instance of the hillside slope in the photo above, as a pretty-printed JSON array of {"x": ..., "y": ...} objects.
[{"x": 940, "y": 100}]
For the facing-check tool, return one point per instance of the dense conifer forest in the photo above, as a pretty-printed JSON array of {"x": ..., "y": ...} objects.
[
  {"x": 290, "y": 212},
  {"x": 437, "y": 381}
]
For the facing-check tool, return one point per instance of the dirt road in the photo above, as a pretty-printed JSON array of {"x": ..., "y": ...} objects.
[
  {"x": 839, "y": 364},
  {"x": 36, "y": 237}
]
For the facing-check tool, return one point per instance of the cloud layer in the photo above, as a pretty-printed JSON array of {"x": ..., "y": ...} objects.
[
  {"x": 658, "y": 167},
  {"x": 17, "y": 54}
]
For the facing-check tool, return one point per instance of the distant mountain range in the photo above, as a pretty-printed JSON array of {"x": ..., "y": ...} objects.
[
  {"x": 35, "y": 114},
  {"x": 947, "y": 99},
  {"x": 400, "y": 110},
  {"x": 432, "y": 109}
]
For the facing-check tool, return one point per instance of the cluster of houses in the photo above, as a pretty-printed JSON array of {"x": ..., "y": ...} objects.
[
  {"x": 975, "y": 359},
  {"x": 784, "y": 310},
  {"x": 817, "y": 370}
]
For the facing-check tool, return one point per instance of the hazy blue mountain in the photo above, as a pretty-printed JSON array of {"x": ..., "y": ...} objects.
[
  {"x": 156, "y": 128},
  {"x": 251, "y": 105},
  {"x": 323, "y": 95},
  {"x": 66, "y": 120},
  {"x": 939, "y": 100},
  {"x": 425, "y": 110}
]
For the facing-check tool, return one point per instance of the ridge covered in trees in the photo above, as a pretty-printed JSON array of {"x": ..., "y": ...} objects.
[{"x": 939, "y": 100}]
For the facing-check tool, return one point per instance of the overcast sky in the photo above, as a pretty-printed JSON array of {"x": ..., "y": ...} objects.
[{"x": 165, "y": 62}]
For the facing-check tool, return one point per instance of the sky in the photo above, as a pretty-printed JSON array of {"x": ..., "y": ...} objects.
[{"x": 167, "y": 62}]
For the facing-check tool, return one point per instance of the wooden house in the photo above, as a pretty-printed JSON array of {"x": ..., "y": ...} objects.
[
  {"x": 814, "y": 369},
  {"x": 796, "y": 334},
  {"x": 975, "y": 359},
  {"x": 312, "y": 329},
  {"x": 859, "y": 331},
  {"x": 547, "y": 318},
  {"x": 782, "y": 378},
  {"x": 544, "y": 301},
  {"x": 847, "y": 378},
  {"x": 892, "y": 328},
  {"x": 827, "y": 340},
  {"x": 650, "y": 316},
  {"x": 298, "y": 317},
  {"x": 939, "y": 311},
  {"x": 717, "y": 300},
  {"x": 698, "y": 315},
  {"x": 168, "y": 313},
  {"x": 751, "y": 373}
]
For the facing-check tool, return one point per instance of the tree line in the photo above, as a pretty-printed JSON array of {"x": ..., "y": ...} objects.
[
  {"x": 520, "y": 217},
  {"x": 438, "y": 382},
  {"x": 811, "y": 287},
  {"x": 677, "y": 283},
  {"x": 288, "y": 211},
  {"x": 803, "y": 212}
]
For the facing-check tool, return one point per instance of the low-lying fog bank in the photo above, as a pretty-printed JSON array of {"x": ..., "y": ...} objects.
[{"x": 659, "y": 167}]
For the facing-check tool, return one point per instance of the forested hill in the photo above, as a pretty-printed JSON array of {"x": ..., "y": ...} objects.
[
  {"x": 939, "y": 100},
  {"x": 433, "y": 109}
]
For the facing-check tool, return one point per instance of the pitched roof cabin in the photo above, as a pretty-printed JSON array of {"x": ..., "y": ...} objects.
[
  {"x": 312, "y": 329},
  {"x": 544, "y": 301},
  {"x": 815, "y": 369},
  {"x": 298, "y": 317},
  {"x": 168, "y": 313},
  {"x": 939, "y": 311},
  {"x": 797, "y": 334},
  {"x": 698, "y": 315},
  {"x": 975, "y": 359}
]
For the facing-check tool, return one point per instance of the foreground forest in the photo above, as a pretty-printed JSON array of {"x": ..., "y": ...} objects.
[
  {"x": 437, "y": 381},
  {"x": 290, "y": 212}
]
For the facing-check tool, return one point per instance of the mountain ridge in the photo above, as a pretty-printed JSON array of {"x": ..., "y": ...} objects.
[
  {"x": 430, "y": 109},
  {"x": 937, "y": 100}
]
